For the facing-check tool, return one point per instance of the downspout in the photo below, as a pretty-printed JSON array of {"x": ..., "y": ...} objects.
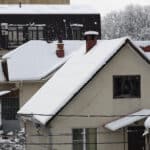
[
  {"x": 25, "y": 129},
  {"x": 124, "y": 139},
  {"x": 50, "y": 138}
]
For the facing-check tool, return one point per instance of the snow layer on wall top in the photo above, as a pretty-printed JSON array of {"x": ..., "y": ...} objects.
[
  {"x": 47, "y": 9},
  {"x": 69, "y": 79},
  {"x": 36, "y": 59}
]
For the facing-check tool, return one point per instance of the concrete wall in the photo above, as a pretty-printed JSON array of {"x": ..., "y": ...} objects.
[
  {"x": 27, "y": 90},
  {"x": 97, "y": 98},
  {"x": 35, "y": 1}
]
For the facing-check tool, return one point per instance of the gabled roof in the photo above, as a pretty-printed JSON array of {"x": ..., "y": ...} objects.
[
  {"x": 36, "y": 59},
  {"x": 46, "y": 9},
  {"x": 71, "y": 78}
]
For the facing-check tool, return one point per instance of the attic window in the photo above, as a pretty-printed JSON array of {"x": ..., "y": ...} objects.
[{"x": 126, "y": 86}]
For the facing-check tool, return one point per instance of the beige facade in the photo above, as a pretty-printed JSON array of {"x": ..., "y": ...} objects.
[
  {"x": 35, "y": 1},
  {"x": 27, "y": 90},
  {"x": 96, "y": 98}
]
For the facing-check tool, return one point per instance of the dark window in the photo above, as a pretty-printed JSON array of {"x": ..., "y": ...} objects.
[
  {"x": 135, "y": 136},
  {"x": 85, "y": 139},
  {"x": 10, "y": 106},
  {"x": 15, "y": 35},
  {"x": 126, "y": 86}
]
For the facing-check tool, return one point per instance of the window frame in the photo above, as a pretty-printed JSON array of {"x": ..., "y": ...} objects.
[
  {"x": 115, "y": 96},
  {"x": 84, "y": 130}
]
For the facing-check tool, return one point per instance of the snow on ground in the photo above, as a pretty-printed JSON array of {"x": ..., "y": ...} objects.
[
  {"x": 69, "y": 79},
  {"x": 36, "y": 59},
  {"x": 12, "y": 141}
]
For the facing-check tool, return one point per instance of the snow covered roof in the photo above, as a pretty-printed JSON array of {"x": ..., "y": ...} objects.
[
  {"x": 47, "y": 9},
  {"x": 69, "y": 79},
  {"x": 4, "y": 92},
  {"x": 91, "y": 33},
  {"x": 36, "y": 59},
  {"x": 142, "y": 43},
  {"x": 129, "y": 119}
]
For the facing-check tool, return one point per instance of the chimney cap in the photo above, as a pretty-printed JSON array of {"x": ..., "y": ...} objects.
[{"x": 91, "y": 33}]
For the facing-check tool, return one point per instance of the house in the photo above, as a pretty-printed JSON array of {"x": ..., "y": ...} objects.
[
  {"x": 45, "y": 22},
  {"x": 24, "y": 70},
  {"x": 96, "y": 101}
]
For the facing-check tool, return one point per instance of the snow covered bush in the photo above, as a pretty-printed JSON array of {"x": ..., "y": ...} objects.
[{"x": 12, "y": 140}]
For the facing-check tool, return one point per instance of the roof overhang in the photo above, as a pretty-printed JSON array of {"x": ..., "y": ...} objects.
[{"x": 128, "y": 120}]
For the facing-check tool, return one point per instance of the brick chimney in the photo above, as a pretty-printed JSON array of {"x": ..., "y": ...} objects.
[
  {"x": 146, "y": 48},
  {"x": 60, "y": 48},
  {"x": 91, "y": 39}
]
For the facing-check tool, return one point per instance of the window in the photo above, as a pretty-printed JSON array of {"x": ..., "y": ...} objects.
[
  {"x": 126, "y": 86},
  {"x": 32, "y": 33},
  {"x": 10, "y": 105},
  {"x": 85, "y": 139},
  {"x": 15, "y": 35}
]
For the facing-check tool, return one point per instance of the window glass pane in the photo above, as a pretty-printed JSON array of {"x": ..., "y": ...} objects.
[
  {"x": 10, "y": 36},
  {"x": 126, "y": 86},
  {"x": 87, "y": 140},
  {"x": 20, "y": 33},
  {"x": 91, "y": 139},
  {"x": 32, "y": 33},
  {"x": 40, "y": 32},
  {"x": 15, "y": 36},
  {"x": 77, "y": 139},
  {"x": 10, "y": 107}
]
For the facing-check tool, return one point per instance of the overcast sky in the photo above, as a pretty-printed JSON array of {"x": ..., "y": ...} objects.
[{"x": 105, "y": 6}]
